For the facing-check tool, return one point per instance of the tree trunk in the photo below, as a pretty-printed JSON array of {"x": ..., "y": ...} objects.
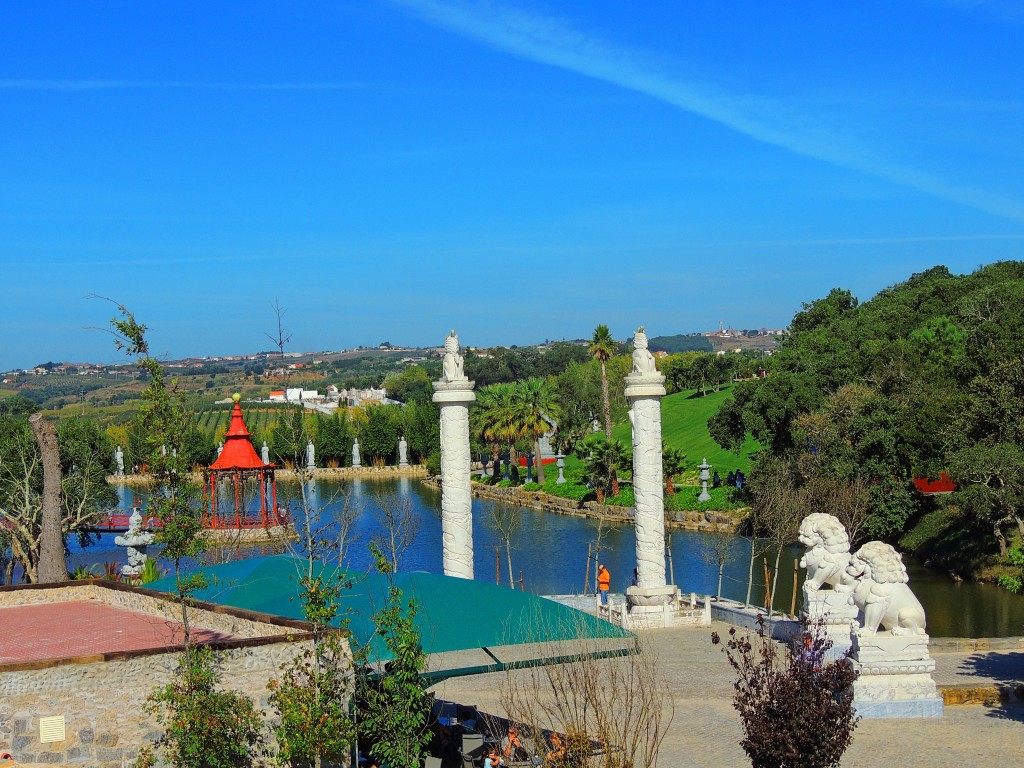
[
  {"x": 538, "y": 462},
  {"x": 52, "y": 565},
  {"x": 600, "y": 494},
  {"x": 615, "y": 483},
  {"x": 775, "y": 580},
  {"x": 508, "y": 557},
  {"x": 669, "y": 488},
  {"x": 1000, "y": 537},
  {"x": 1020, "y": 525},
  {"x": 606, "y": 403},
  {"x": 721, "y": 570}
]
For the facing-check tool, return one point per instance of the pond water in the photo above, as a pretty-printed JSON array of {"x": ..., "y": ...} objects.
[{"x": 550, "y": 551}]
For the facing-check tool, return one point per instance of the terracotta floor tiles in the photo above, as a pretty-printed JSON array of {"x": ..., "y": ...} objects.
[{"x": 83, "y": 628}]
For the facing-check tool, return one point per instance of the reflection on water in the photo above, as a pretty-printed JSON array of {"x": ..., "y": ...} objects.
[{"x": 551, "y": 552}]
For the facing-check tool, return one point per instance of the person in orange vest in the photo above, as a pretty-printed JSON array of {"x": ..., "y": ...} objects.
[{"x": 604, "y": 583}]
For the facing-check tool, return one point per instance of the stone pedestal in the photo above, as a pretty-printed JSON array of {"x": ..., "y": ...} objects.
[
  {"x": 644, "y": 392},
  {"x": 454, "y": 398},
  {"x": 837, "y": 614},
  {"x": 895, "y": 676}
]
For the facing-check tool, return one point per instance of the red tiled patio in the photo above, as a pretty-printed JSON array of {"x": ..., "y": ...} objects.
[{"x": 78, "y": 628}]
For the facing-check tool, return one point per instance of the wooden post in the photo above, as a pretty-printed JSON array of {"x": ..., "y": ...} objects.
[
  {"x": 796, "y": 570},
  {"x": 522, "y": 586},
  {"x": 586, "y": 577},
  {"x": 767, "y": 587}
]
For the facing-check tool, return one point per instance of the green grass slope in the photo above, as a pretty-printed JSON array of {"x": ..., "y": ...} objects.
[{"x": 684, "y": 425}]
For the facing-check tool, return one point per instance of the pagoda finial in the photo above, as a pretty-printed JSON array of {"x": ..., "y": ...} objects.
[{"x": 236, "y": 397}]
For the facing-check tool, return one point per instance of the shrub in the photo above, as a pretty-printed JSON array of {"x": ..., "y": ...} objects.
[
  {"x": 685, "y": 499},
  {"x": 796, "y": 708},
  {"x": 624, "y": 499},
  {"x": 531, "y": 486},
  {"x": 204, "y": 727}
]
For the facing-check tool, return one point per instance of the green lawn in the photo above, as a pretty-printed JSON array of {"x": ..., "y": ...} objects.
[{"x": 684, "y": 425}]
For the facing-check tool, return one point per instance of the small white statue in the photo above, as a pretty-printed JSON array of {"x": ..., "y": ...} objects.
[
  {"x": 265, "y": 453},
  {"x": 643, "y": 360},
  {"x": 828, "y": 552},
  {"x": 403, "y": 450},
  {"x": 881, "y": 592},
  {"x": 355, "y": 454},
  {"x": 452, "y": 363},
  {"x": 310, "y": 455},
  {"x": 119, "y": 460}
]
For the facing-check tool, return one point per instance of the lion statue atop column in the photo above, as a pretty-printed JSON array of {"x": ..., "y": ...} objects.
[
  {"x": 881, "y": 593},
  {"x": 828, "y": 553}
]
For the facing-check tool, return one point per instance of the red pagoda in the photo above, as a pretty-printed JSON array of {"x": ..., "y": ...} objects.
[{"x": 238, "y": 463}]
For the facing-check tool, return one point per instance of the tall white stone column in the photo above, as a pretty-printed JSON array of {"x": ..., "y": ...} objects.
[
  {"x": 644, "y": 389},
  {"x": 454, "y": 393}
]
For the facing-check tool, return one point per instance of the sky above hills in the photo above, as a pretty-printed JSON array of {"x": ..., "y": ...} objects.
[{"x": 518, "y": 171}]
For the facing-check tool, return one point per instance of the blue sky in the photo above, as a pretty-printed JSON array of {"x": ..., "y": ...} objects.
[{"x": 518, "y": 171}]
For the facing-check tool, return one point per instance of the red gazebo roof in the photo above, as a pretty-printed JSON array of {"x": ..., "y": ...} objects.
[{"x": 238, "y": 452}]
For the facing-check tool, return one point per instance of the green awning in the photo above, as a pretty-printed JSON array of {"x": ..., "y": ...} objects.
[{"x": 466, "y": 626}]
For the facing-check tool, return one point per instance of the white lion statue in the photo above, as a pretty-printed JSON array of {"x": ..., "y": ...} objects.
[
  {"x": 881, "y": 592},
  {"x": 828, "y": 552}
]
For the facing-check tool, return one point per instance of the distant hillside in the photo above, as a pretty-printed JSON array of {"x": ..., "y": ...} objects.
[{"x": 680, "y": 343}]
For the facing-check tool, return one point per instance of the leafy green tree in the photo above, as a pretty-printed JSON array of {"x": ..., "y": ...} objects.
[
  {"x": 578, "y": 395},
  {"x": 378, "y": 436},
  {"x": 394, "y": 708},
  {"x": 333, "y": 439},
  {"x": 421, "y": 425},
  {"x": 85, "y": 460},
  {"x": 288, "y": 440},
  {"x": 991, "y": 486}
]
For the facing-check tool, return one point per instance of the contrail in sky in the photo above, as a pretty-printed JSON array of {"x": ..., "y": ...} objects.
[{"x": 555, "y": 42}]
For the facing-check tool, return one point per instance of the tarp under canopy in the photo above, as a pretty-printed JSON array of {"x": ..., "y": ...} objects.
[{"x": 466, "y": 627}]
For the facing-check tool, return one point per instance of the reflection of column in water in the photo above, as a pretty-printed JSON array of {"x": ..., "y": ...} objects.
[
  {"x": 122, "y": 499},
  {"x": 311, "y": 500},
  {"x": 404, "y": 486},
  {"x": 357, "y": 487}
]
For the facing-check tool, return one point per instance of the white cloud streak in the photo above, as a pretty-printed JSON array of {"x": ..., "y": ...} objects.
[
  {"x": 116, "y": 85},
  {"x": 552, "y": 41}
]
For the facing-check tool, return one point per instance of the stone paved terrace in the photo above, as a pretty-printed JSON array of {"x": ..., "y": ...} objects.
[
  {"x": 706, "y": 729},
  {"x": 85, "y": 628}
]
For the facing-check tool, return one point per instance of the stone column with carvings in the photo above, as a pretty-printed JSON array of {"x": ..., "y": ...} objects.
[
  {"x": 454, "y": 393},
  {"x": 644, "y": 389}
]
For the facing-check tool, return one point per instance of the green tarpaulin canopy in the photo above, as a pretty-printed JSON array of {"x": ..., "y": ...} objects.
[{"x": 476, "y": 627}]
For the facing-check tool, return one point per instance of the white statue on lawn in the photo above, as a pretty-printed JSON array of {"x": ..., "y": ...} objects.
[{"x": 881, "y": 593}]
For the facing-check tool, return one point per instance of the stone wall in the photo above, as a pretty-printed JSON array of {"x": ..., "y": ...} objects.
[
  {"x": 101, "y": 697},
  {"x": 102, "y": 701}
]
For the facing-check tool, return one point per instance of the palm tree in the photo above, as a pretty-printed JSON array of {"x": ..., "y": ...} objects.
[
  {"x": 495, "y": 417},
  {"x": 602, "y": 347},
  {"x": 536, "y": 405},
  {"x": 673, "y": 461},
  {"x": 601, "y": 465}
]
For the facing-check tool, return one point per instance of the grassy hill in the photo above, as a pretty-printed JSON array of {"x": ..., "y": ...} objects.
[{"x": 684, "y": 425}]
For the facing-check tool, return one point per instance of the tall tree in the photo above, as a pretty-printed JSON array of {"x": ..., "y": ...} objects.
[
  {"x": 602, "y": 347},
  {"x": 536, "y": 410},
  {"x": 52, "y": 566}
]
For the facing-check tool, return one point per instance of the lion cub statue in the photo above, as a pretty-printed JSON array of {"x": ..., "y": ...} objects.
[
  {"x": 881, "y": 592},
  {"x": 828, "y": 553}
]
